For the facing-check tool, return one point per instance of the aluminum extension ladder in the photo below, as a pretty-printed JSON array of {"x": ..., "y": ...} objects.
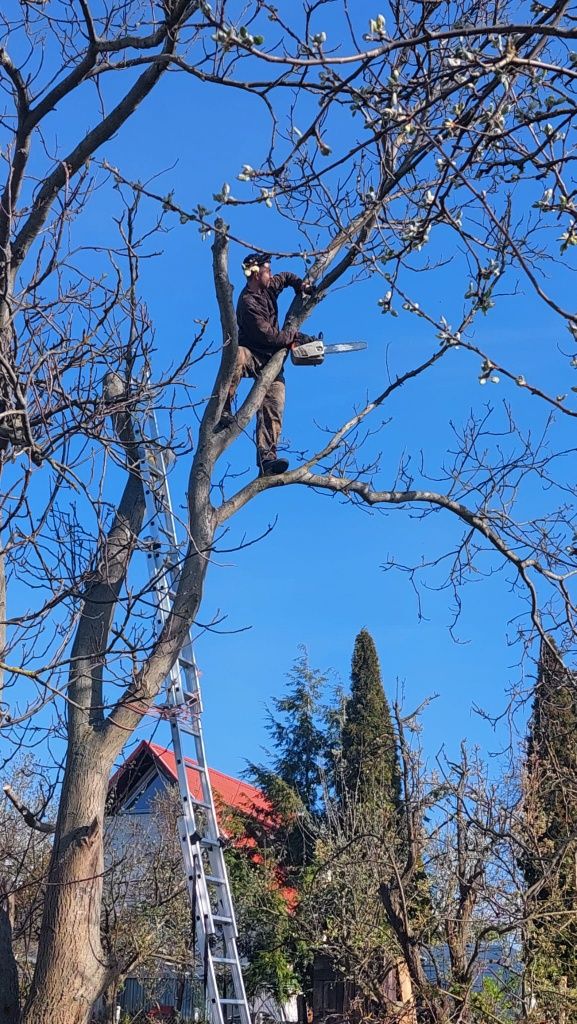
[{"x": 214, "y": 926}]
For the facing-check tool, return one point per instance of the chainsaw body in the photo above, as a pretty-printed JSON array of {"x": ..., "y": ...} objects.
[{"x": 310, "y": 353}]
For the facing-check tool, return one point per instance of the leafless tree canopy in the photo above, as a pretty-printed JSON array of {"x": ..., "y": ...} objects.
[{"x": 435, "y": 133}]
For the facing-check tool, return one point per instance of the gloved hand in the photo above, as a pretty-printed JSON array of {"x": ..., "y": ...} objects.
[
  {"x": 301, "y": 339},
  {"x": 289, "y": 336}
]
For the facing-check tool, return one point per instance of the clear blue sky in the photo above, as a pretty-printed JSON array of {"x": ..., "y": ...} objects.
[{"x": 319, "y": 577}]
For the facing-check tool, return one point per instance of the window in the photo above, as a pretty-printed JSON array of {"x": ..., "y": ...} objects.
[{"x": 141, "y": 800}]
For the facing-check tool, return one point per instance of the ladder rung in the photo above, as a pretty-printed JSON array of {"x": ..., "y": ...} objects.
[
  {"x": 200, "y": 803},
  {"x": 191, "y": 693},
  {"x": 195, "y": 767},
  {"x": 189, "y": 732},
  {"x": 180, "y": 708},
  {"x": 183, "y": 660},
  {"x": 231, "y": 1002},
  {"x": 215, "y": 880},
  {"x": 184, "y": 704},
  {"x": 188, "y": 697},
  {"x": 220, "y": 919},
  {"x": 224, "y": 960}
]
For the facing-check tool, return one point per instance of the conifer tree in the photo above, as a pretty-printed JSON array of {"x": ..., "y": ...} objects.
[
  {"x": 297, "y": 733},
  {"x": 370, "y": 767},
  {"x": 292, "y": 781},
  {"x": 359, "y": 836},
  {"x": 550, "y": 840}
]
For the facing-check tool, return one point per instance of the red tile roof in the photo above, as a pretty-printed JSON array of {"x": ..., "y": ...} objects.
[
  {"x": 227, "y": 791},
  {"x": 240, "y": 796}
]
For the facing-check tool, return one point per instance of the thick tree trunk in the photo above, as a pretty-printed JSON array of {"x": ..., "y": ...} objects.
[
  {"x": 71, "y": 970},
  {"x": 9, "y": 992}
]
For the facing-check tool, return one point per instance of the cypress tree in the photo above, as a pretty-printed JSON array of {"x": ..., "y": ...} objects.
[
  {"x": 362, "y": 832},
  {"x": 550, "y": 817},
  {"x": 370, "y": 767}
]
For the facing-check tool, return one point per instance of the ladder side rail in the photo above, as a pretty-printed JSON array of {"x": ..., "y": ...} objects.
[
  {"x": 183, "y": 682},
  {"x": 162, "y": 585},
  {"x": 202, "y": 926},
  {"x": 166, "y": 575},
  {"x": 177, "y": 698},
  {"x": 215, "y": 853},
  {"x": 163, "y": 507},
  {"x": 208, "y": 931},
  {"x": 188, "y": 799},
  {"x": 164, "y": 588}
]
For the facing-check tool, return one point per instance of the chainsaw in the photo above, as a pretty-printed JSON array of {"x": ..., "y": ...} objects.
[{"x": 312, "y": 351}]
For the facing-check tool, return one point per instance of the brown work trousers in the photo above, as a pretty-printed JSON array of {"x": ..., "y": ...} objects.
[{"x": 269, "y": 416}]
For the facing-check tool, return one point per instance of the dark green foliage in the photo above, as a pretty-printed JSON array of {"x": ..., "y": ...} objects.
[
  {"x": 359, "y": 833},
  {"x": 550, "y": 822},
  {"x": 264, "y": 923},
  {"x": 333, "y": 783},
  {"x": 293, "y": 783},
  {"x": 334, "y": 722},
  {"x": 370, "y": 768},
  {"x": 297, "y": 734}
]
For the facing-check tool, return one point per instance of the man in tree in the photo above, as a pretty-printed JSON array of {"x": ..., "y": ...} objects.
[{"x": 259, "y": 337}]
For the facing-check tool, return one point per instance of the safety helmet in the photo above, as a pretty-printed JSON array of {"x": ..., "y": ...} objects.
[{"x": 252, "y": 263}]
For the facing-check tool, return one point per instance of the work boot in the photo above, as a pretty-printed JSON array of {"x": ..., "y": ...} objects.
[
  {"x": 226, "y": 420},
  {"x": 273, "y": 467}
]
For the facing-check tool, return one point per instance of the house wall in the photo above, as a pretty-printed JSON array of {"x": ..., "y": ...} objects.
[
  {"x": 133, "y": 826},
  {"x": 264, "y": 1008}
]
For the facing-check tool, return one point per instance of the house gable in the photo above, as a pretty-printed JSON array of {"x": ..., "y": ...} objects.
[{"x": 150, "y": 768}]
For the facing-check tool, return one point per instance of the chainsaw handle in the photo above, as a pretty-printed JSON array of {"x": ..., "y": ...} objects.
[{"x": 307, "y": 351}]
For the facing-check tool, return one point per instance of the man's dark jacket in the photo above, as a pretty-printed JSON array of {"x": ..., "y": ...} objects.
[{"x": 257, "y": 317}]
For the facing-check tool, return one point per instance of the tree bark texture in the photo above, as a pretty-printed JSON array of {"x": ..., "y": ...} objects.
[
  {"x": 71, "y": 969},
  {"x": 9, "y": 989}
]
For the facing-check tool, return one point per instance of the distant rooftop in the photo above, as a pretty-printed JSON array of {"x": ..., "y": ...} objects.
[{"x": 228, "y": 791}]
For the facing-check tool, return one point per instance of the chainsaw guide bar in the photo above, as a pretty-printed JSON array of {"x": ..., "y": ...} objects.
[{"x": 313, "y": 351}]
